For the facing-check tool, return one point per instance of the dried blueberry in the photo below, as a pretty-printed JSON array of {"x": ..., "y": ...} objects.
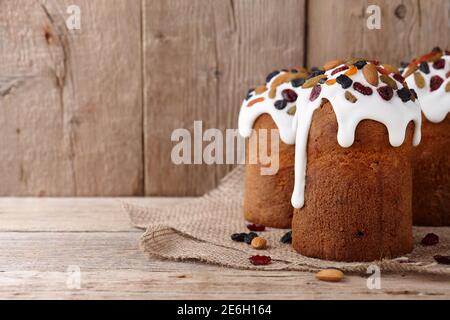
[
  {"x": 360, "y": 64},
  {"x": 362, "y": 89},
  {"x": 435, "y": 83},
  {"x": 249, "y": 94},
  {"x": 272, "y": 75},
  {"x": 287, "y": 238},
  {"x": 298, "y": 82},
  {"x": 439, "y": 64},
  {"x": 424, "y": 67},
  {"x": 289, "y": 95},
  {"x": 238, "y": 237},
  {"x": 249, "y": 237},
  {"x": 386, "y": 92},
  {"x": 404, "y": 94},
  {"x": 280, "y": 104},
  {"x": 430, "y": 239},
  {"x": 344, "y": 81}
]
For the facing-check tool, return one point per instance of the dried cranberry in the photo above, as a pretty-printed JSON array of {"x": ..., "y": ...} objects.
[
  {"x": 287, "y": 238},
  {"x": 430, "y": 239},
  {"x": 442, "y": 259},
  {"x": 435, "y": 83},
  {"x": 360, "y": 64},
  {"x": 249, "y": 237},
  {"x": 260, "y": 260},
  {"x": 289, "y": 95},
  {"x": 256, "y": 227},
  {"x": 315, "y": 93},
  {"x": 280, "y": 104},
  {"x": 386, "y": 92},
  {"x": 439, "y": 64},
  {"x": 298, "y": 82},
  {"x": 404, "y": 94},
  {"x": 362, "y": 89},
  {"x": 424, "y": 67},
  {"x": 344, "y": 81},
  {"x": 272, "y": 75},
  {"x": 340, "y": 69},
  {"x": 238, "y": 237},
  {"x": 399, "y": 77}
]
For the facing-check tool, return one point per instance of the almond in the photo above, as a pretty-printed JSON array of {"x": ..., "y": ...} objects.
[
  {"x": 331, "y": 275},
  {"x": 420, "y": 80},
  {"x": 371, "y": 74},
  {"x": 332, "y": 64},
  {"x": 411, "y": 69},
  {"x": 259, "y": 243},
  {"x": 390, "y": 68}
]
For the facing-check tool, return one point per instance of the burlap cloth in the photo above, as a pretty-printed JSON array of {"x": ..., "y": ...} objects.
[{"x": 200, "y": 229}]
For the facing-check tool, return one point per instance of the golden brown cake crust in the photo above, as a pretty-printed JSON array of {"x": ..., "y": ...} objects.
[
  {"x": 267, "y": 199},
  {"x": 357, "y": 199},
  {"x": 431, "y": 179}
]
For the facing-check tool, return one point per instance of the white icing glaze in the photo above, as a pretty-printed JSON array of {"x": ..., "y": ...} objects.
[{"x": 435, "y": 105}]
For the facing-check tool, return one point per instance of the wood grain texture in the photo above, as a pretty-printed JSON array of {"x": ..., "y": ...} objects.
[
  {"x": 338, "y": 29},
  {"x": 36, "y": 252},
  {"x": 200, "y": 57},
  {"x": 70, "y": 101}
]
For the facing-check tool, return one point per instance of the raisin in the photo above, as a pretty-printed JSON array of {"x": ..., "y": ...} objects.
[
  {"x": 442, "y": 259},
  {"x": 280, "y": 104},
  {"x": 362, "y": 89},
  {"x": 439, "y": 64},
  {"x": 344, "y": 81},
  {"x": 316, "y": 73},
  {"x": 404, "y": 94},
  {"x": 350, "y": 97},
  {"x": 340, "y": 69},
  {"x": 272, "y": 75},
  {"x": 404, "y": 64},
  {"x": 238, "y": 237},
  {"x": 398, "y": 77},
  {"x": 435, "y": 83},
  {"x": 323, "y": 80},
  {"x": 298, "y": 82},
  {"x": 315, "y": 93},
  {"x": 386, "y": 92},
  {"x": 289, "y": 95},
  {"x": 360, "y": 64},
  {"x": 249, "y": 237},
  {"x": 424, "y": 67},
  {"x": 256, "y": 227},
  {"x": 260, "y": 260},
  {"x": 436, "y": 49},
  {"x": 287, "y": 238},
  {"x": 414, "y": 93},
  {"x": 430, "y": 239}
]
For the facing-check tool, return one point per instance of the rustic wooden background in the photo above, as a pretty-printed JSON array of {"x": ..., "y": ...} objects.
[{"x": 91, "y": 112}]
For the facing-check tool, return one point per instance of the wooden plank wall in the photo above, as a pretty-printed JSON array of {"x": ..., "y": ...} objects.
[{"x": 91, "y": 112}]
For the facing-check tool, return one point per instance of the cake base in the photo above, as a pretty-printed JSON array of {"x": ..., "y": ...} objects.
[
  {"x": 267, "y": 198},
  {"x": 431, "y": 178},
  {"x": 358, "y": 204}
]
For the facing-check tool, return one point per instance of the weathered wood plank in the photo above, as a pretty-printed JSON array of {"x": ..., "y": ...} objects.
[
  {"x": 408, "y": 29},
  {"x": 200, "y": 57},
  {"x": 70, "y": 101},
  {"x": 34, "y": 265}
]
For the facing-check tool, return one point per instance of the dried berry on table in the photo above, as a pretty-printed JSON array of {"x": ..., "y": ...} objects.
[
  {"x": 435, "y": 83},
  {"x": 287, "y": 238},
  {"x": 350, "y": 97},
  {"x": 238, "y": 237},
  {"x": 256, "y": 227},
  {"x": 362, "y": 89},
  {"x": 430, "y": 239},
  {"x": 280, "y": 104},
  {"x": 344, "y": 81},
  {"x": 330, "y": 275},
  {"x": 424, "y": 67},
  {"x": 442, "y": 259},
  {"x": 289, "y": 95},
  {"x": 259, "y": 243},
  {"x": 439, "y": 64},
  {"x": 260, "y": 260},
  {"x": 249, "y": 237},
  {"x": 315, "y": 93},
  {"x": 404, "y": 94},
  {"x": 386, "y": 92}
]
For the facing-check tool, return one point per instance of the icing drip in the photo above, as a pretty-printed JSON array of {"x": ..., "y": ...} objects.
[{"x": 435, "y": 104}]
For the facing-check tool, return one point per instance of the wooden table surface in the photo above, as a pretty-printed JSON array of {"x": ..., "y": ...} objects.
[{"x": 43, "y": 239}]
